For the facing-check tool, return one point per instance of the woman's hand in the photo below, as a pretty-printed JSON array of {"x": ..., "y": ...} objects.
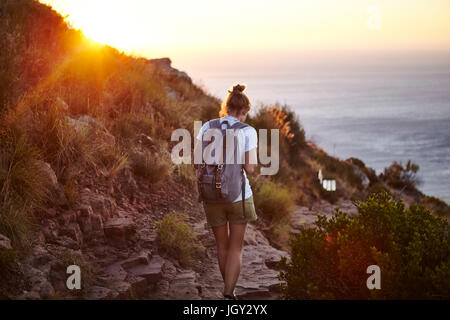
[{"x": 251, "y": 161}]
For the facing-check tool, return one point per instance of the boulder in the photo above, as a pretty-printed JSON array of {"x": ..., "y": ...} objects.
[
  {"x": 164, "y": 65},
  {"x": 119, "y": 230},
  {"x": 185, "y": 286},
  {"x": 86, "y": 123},
  {"x": 99, "y": 293},
  {"x": 152, "y": 271},
  {"x": 5, "y": 243},
  {"x": 58, "y": 196},
  {"x": 143, "y": 258}
]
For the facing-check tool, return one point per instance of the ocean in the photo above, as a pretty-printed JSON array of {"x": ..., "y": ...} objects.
[{"x": 378, "y": 113}]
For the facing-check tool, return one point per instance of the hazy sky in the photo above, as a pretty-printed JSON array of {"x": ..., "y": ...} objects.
[{"x": 196, "y": 30}]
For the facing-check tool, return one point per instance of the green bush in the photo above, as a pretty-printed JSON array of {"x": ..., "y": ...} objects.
[
  {"x": 178, "y": 239},
  {"x": 437, "y": 206},
  {"x": 410, "y": 246}
]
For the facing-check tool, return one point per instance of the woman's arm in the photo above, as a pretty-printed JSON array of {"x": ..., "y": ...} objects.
[{"x": 251, "y": 161}]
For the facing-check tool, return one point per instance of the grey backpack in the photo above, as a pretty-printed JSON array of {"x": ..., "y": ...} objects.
[{"x": 222, "y": 183}]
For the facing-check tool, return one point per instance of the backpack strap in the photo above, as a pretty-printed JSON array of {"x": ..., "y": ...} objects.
[{"x": 239, "y": 125}]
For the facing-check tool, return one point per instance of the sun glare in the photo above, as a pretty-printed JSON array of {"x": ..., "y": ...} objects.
[{"x": 179, "y": 28}]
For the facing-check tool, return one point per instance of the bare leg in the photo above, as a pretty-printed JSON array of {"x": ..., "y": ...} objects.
[
  {"x": 234, "y": 258},
  {"x": 222, "y": 236}
]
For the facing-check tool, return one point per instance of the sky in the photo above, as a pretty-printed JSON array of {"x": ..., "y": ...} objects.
[{"x": 205, "y": 31}]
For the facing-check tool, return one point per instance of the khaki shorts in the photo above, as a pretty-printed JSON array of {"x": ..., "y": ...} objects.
[{"x": 218, "y": 214}]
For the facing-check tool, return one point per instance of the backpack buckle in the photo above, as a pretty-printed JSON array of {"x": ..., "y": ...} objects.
[{"x": 218, "y": 185}]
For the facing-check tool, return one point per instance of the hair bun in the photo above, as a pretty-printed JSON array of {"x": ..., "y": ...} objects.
[{"x": 239, "y": 88}]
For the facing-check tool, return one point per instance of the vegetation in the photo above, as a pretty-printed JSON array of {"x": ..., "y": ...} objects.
[
  {"x": 70, "y": 257},
  {"x": 72, "y": 111},
  {"x": 178, "y": 239},
  {"x": 273, "y": 199},
  {"x": 402, "y": 177},
  {"x": 410, "y": 246}
]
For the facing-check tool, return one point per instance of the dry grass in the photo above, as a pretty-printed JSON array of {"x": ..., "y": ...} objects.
[
  {"x": 275, "y": 200},
  {"x": 178, "y": 239},
  {"x": 152, "y": 165}
]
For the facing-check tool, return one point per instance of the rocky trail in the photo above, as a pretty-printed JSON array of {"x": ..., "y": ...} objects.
[{"x": 112, "y": 235}]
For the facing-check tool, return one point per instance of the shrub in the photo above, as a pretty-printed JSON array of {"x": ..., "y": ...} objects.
[
  {"x": 436, "y": 205},
  {"x": 292, "y": 135},
  {"x": 186, "y": 173},
  {"x": 70, "y": 257},
  {"x": 409, "y": 245},
  {"x": 399, "y": 176},
  {"x": 17, "y": 224},
  {"x": 178, "y": 239},
  {"x": 61, "y": 143},
  {"x": 22, "y": 177},
  {"x": 152, "y": 165},
  {"x": 274, "y": 200}
]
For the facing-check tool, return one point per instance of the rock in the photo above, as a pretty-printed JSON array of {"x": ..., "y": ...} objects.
[
  {"x": 72, "y": 230},
  {"x": 97, "y": 204},
  {"x": 122, "y": 290},
  {"x": 38, "y": 282},
  {"x": 119, "y": 230},
  {"x": 145, "y": 140},
  {"x": 143, "y": 258},
  {"x": 67, "y": 242},
  {"x": 152, "y": 271},
  {"x": 185, "y": 286},
  {"x": 50, "y": 231},
  {"x": 164, "y": 64},
  {"x": 29, "y": 295},
  {"x": 99, "y": 293},
  {"x": 85, "y": 123},
  {"x": 139, "y": 285},
  {"x": 364, "y": 179},
  {"x": 67, "y": 217},
  {"x": 51, "y": 181},
  {"x": 114, "y": 273},
  {"x": 85, "y": 211},
  {"x": 126, "y": 184},
  {"x": 97, "y": 222},
  {"x": 258, "y": 280},
  {"x": 172, "y": 93},
  {"x": 41, "y": 257},
  {"x": 147, "y": 237},
  {"x": 46, "y": 290},
  {"x": 253, "y": 236},
  {"x": 5, "y": 243}
]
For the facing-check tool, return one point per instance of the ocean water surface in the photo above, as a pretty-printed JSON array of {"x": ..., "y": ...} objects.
[{"x": 378, "y": 114}]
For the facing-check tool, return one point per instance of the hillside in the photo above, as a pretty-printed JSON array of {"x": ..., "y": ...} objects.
[{"x": 86, "y": 176}]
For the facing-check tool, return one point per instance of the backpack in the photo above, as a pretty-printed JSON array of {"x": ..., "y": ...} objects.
[{"x": 222, "y": 183}]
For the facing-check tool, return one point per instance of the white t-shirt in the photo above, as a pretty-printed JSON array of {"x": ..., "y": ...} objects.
[{"x": 248, "y": 140}]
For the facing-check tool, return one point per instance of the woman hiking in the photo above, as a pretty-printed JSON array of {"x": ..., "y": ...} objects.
[{"x": 224, "y": 187}]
